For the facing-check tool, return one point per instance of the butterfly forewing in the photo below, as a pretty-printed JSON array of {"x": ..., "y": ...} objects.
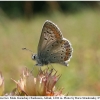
[{"x": 50, "y": 33}]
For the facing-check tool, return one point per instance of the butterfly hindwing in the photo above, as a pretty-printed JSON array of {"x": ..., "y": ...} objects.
[{"x": 61, "y": 52}]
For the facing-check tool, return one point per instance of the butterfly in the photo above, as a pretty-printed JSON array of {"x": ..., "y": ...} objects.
[{"x": 52, "y": 47}]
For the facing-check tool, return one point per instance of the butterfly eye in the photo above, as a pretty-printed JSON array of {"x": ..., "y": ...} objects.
[{"x": 33, "y": 57}]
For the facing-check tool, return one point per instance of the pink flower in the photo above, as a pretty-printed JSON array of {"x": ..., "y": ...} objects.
[
  {"x": 42, "y": 85},
  {"x": 1, "y": 84}
]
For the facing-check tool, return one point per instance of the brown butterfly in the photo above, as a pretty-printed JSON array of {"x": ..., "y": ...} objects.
[{"x": 52, "y": 47}]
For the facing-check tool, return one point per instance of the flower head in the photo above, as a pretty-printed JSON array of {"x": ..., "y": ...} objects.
[
  {"x": 1, "y": 84},
  {"x": 42, "y": 85}
]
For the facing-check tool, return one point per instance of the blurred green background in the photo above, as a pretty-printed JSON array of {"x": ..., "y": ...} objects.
[{"x": 21, "y": 25}]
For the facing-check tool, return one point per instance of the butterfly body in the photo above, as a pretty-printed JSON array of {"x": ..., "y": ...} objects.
[
  {"x": 53, "y": 47},
  {"x": 40, "y": 62}
]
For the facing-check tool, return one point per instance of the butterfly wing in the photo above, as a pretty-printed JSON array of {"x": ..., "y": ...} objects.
[
  {"x": 50, "y": 33},
  {"x": 53, "y": 48},
  {"x": 61, "y": 52}
]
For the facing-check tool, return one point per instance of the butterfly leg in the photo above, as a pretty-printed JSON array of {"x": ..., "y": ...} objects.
[
  {"x": 39, "y": 64},
  {"x": 38, "y": 67},
  {"x": 33, "y": 68}
]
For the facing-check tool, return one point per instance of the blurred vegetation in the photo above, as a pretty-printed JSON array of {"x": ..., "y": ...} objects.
[
  {"x": 29, "y": 8},
  {"x": 79, "y": 23}
]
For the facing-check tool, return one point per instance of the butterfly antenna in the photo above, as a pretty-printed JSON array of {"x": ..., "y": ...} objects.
[{"x": 27, "y": 50}]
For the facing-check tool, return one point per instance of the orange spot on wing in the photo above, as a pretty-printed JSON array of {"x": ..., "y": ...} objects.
[
  {"x": 66, "y": 57},
  {"x": 57, "y": 35}
]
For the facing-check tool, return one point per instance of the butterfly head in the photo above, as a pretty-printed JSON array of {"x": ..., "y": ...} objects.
[{"x": 34, "y": 56}]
